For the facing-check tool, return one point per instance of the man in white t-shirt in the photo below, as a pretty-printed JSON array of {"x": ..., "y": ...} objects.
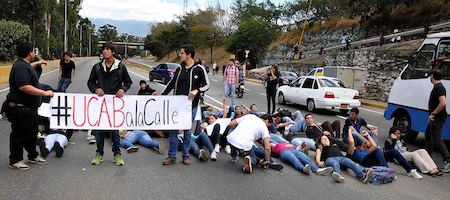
[{"x": 248, "y": 129}]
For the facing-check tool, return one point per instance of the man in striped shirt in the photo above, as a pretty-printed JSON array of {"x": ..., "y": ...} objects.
[{"x": 230, "y": 81}]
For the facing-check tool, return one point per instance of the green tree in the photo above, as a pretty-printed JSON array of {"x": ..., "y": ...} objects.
[
  {"x": 254, "y": 35},
  {"x": 11, "y": 34},
  {"x": 108, "y": 32}
]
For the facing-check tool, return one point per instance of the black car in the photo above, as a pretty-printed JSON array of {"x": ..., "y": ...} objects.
[{"x": 163, "y": 72}]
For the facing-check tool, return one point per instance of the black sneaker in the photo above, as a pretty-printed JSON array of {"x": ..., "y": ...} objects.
[
  {"x": 275, "y": 166},
  {"x": 44, "y": 151},
  {"x": 58, "y": 149}
]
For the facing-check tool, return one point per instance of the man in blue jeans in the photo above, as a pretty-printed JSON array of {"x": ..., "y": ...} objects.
[
  {"x": 190, "y": 80},
  {"x": 130, "y": 138},
  {"x": 110, "y": 76},
  {"x": 370, "y": 155},
  {"x": 66, "y": 72}
]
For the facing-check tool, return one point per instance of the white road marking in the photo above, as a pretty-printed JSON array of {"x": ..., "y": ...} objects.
[
  {"x": 371, "y": 111},
  {"x": 262, "y": 94},
  {"x": 214, "y": 80},
  {"x": 342, "y": 117}
]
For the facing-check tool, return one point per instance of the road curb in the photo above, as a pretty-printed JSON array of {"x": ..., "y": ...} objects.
[{"x": 375, "y": 105}]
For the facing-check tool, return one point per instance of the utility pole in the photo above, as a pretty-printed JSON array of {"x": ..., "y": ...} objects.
[
  {"x": 185, "y": 5},
  {"x": 303, "y": 30}
]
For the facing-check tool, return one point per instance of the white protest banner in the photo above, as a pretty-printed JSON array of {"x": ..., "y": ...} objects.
[{"x": 108, "y": 112}]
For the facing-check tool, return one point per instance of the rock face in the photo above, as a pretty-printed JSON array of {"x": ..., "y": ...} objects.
[{"x": 383, "y": 64}]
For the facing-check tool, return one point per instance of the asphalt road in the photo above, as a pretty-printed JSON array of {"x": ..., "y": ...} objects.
[{"x": 144, "y": 177}]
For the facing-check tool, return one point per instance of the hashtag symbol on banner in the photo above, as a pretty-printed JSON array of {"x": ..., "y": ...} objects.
[{"x": 62, "y": 112}]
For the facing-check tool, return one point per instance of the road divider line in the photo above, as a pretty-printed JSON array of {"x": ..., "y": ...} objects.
[
  {"x": 371, "y": 111},
  {"x": 263, "y": 94},
  {"x": 214, "y": 80}
]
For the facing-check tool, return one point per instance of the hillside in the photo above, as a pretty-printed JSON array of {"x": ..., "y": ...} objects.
[{"x": 220, "y": 56}]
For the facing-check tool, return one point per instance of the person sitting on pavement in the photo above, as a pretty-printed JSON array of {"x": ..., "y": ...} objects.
[
  {"x": 238, "y": 112},
  {"x": 315, "y": 132},
  {"x": 248, "y": 129},
  {"x": 130, "y": 138},
  {"x": 329, "y": 154},
  {"x": 420, "y": 157},
  {"x": 197, "y": 144},
  {"x": 369, "y": 155},
  {"x": 357, "y": 122},
  {"x": 51, "y": 139},
  {"x": 145, "y": 89},
  {"x": 216, "y": 133},
  {"x": 253, "y": 110},
  {"x": 300, "y": 161},
  {"x": 288, "y": 126},
  {"x": 333, "y": 129}
]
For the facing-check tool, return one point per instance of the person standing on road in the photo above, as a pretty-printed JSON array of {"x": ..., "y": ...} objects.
[
  {"x": 272, "y": 77},
  {"x": 437, "y": 118},
  {"x": 230, "y": 81},
  {"x": 214, "y": 68},
  {"x": 110, "y": 76},
  {"x": 21, "y": 109},
  {"x": 190, "y": 79},
  {"x": 66, "y": 72}
]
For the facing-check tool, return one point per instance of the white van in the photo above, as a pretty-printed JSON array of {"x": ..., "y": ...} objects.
[{"x": 408, "y": 98}]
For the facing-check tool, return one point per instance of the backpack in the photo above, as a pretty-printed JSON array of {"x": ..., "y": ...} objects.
[{"x": 382, "y": 175}]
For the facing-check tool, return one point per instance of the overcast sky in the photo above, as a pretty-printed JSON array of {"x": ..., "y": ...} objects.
[{"x": 144, "y": 10}]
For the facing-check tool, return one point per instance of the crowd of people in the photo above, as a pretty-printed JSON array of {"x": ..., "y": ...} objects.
[{"x": 237, "y": 130}]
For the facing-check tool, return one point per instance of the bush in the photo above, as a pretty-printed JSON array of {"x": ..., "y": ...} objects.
[{"x": 11, "y": 34}]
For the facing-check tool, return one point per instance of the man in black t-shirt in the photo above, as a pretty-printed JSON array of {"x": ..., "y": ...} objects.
[
  {"x": 145, "y": 89},
  {"x": 437, "y": 118},
  {"x": 66, "y": 72},
  {"x": 21, "y": 109}
]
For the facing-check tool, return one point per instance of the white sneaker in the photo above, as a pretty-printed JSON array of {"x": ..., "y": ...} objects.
[
  {"x": 213, "y": 156},
  {"x": 337, "y": 177},
  {"x": 228, "y": 149},
  {"x": 217, "y": 148},
  {"x": 446, "y": 167},
  {"x": 202, "y": 156},
  {"x": 307, "y": 169},
  {"x": 368, "y": 176},
  {"x": 132, "y": 149},
  {"x": 414, "y": 174},
  {"x": 324, "y": 171}
]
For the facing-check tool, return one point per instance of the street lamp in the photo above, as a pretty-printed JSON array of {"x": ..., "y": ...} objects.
[{"x": 65, "y": 23}]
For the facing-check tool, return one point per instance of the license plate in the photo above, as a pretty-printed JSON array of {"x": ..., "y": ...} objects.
[{"x": 344, "y": 105}]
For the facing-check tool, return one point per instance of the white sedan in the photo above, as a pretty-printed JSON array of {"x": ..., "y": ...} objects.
[{"x": 317, "y": 92}]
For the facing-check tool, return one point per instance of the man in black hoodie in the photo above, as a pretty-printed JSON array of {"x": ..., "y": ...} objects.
[{"x": 190, "y": 79}]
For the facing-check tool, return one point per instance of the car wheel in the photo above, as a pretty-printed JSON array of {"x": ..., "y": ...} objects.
[
  {"x": 150, "y": 77},
  {"x": 311, "y": 106},
  {"x": 281, "y": 99},
  {"x": 343, "y": 111},
  {"x": 403, "y": 121},
  {"x": 164, "y": 80}
]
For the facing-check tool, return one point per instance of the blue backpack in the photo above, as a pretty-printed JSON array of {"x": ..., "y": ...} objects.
[{"x": 382, "y": 175}]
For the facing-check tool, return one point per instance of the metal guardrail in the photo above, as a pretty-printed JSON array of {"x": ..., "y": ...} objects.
[{"x": 377, "y": 39}]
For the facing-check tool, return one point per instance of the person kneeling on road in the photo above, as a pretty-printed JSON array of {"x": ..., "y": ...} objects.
[{"x": 248, "y": 129}]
